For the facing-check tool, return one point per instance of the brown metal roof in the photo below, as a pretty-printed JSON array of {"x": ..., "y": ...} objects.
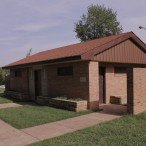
[
  {"x": 125, "y": 52},
  {"x": 86, "y": 50}
]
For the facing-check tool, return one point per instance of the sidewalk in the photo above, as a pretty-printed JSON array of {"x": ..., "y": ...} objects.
[
  {"x": 7, "y": 105},
  {"x": 58, "y": 128},
  {"x": 9, "y": 136}
]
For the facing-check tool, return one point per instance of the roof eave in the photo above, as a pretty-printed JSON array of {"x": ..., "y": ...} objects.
[{"x": 58, "y": 60}]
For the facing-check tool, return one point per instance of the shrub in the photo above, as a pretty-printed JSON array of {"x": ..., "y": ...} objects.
[{"x": 3, "y": 74}]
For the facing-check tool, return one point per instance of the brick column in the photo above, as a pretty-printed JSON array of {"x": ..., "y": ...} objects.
[
  {"x": 93, "y": 101},
  {"x": 31, "y": 84},
  {"x": 44, "y": 81},
  {"x": 139, "y": 86},
  {"x": 136, "y": 90}
]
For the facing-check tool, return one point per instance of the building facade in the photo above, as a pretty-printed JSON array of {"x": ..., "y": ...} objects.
[{"x": 101, "y": 71}]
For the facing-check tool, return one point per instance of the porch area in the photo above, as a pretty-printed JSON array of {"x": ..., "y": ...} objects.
[
  {"x": 122, "y": 89},
  {"x": 113, "y": 109}
]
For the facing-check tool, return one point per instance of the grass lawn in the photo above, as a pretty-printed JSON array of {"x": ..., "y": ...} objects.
[
  {"x": 32, "y": 115},
  {"x": 3, "y": 99},
  {"x": 126, "y": 131}
]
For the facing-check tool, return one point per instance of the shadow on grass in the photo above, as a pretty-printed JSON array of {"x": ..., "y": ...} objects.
[{"x": 19, "y": 101}]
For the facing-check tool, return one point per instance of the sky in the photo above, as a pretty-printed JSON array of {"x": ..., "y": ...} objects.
[{"x": 47, "y": 24}]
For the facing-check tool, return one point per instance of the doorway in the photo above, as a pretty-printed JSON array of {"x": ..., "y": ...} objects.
[
  {"x": 102, "y": 85},
  {"x": 38, "y": 83}
]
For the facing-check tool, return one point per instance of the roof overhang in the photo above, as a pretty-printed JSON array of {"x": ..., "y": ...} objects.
[{"x": 60, "y": 60}]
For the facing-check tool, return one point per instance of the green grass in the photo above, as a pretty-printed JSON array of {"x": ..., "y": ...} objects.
[
  {"x": 32, "y": 115},
  {"x": 3, "y": 99},
  {"x": 126, "y": 131}
]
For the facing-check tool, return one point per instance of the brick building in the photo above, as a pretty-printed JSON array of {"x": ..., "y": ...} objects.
[{"x": 110, "y": 69}]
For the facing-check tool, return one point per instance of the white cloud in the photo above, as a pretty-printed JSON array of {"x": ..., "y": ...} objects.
[{"x": 33, "y": 27}]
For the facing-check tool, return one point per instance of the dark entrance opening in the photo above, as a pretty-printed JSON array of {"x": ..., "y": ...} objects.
[
  {"x": 38, "y": 83},
  {"x": 102, "y": 85}
]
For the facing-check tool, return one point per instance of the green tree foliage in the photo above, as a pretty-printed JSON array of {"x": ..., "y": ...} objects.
[
  {"x": 97, "y": 23},
  {"x": 3, "y": 74}
]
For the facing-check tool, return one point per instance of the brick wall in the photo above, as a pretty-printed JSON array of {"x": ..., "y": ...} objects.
[
  {"x": 75, "y": 86},
  {"x": 116, "y": 84},
  {"x": 7, "y": 83},
  {"x": 139, "y": 89},
  {"x": 93, "y": 85},
  {"x": 19, "y": 84},
  {"x": 83, "y": 82},
  {"x": 31, "y": 83},
  {"x": 44, "y": 81}
]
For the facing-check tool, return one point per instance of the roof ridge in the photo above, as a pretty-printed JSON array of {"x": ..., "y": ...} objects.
[
  {"x": 78, "y": 43},
  {"x": 107, "y": 42},
  {"x": 139, "y": 39}
]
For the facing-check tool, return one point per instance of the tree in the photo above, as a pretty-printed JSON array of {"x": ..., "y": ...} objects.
[
  {"x": 3, "y": 74},
  {"x": 98, "y": 22},
  {"x": 29, "y": 52}
]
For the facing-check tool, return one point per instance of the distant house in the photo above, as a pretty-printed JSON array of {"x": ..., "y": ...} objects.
[{"x": 110, "y": 69}]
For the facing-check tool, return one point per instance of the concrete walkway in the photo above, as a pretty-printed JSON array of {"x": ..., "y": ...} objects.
[
  {"x": 9, "y": 136},
  {"x": 7, "y": 105},
  {"x": 55, "y": 129}
]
